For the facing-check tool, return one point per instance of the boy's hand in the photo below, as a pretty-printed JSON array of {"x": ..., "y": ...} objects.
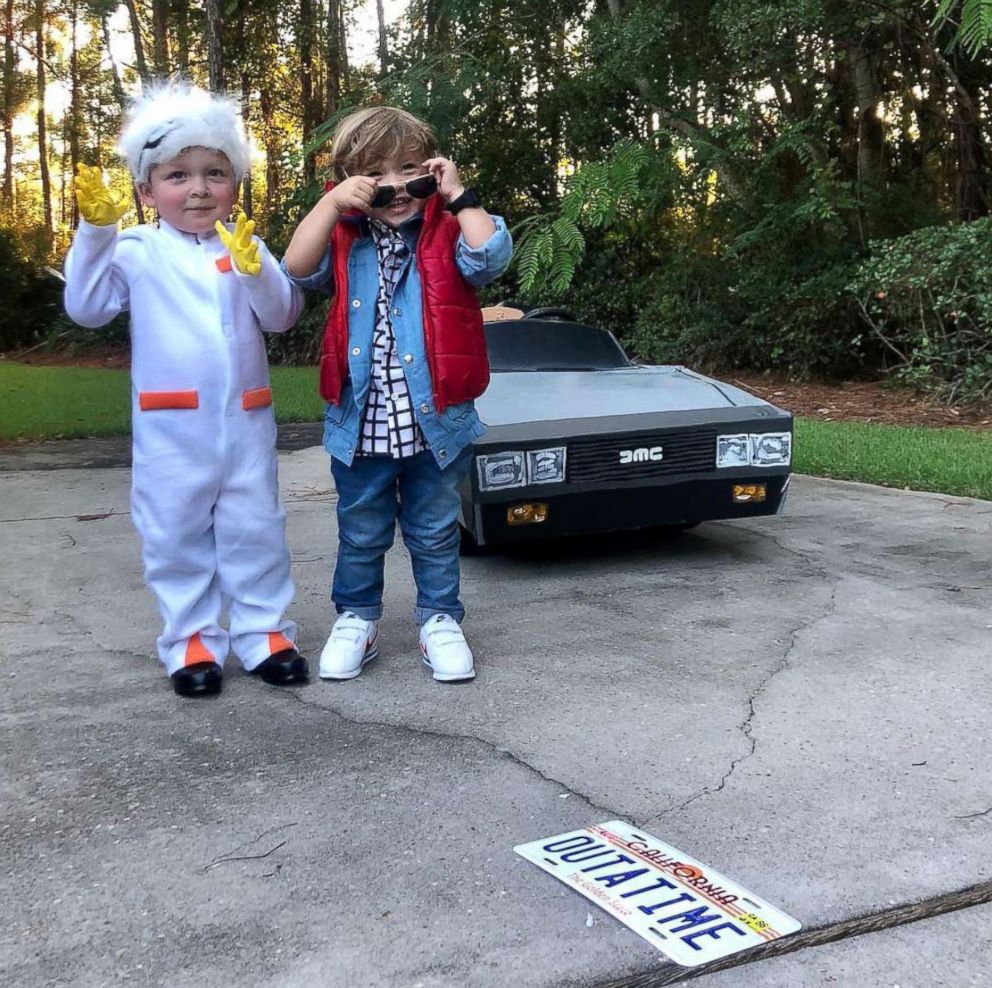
[
  {"x": 355, "y": 192},
  {"x": 97, "y": 204},
  {"x": 449, "y": 183},
  {"x": 244, "y": 250}
]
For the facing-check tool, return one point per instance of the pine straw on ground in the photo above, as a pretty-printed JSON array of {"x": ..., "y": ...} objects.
[{"x": 862, "y": 401}]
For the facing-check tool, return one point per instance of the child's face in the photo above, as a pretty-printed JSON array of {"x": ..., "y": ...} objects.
[
  {"x": 192, "y": 190},
  {"x": 396, "y": 171}
]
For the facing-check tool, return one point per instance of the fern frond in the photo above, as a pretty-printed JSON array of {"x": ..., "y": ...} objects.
[{"x": 976, "y": 25}]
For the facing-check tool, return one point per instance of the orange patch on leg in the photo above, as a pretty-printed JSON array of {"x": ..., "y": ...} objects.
[
  {"x": 196, "y": 651},
  {"x": 278, "y": 642},
  {"x": 256, "y": 398},
  {"x": 149, "y": 401}
]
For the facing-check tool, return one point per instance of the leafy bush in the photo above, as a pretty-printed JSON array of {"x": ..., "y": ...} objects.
[
  {"x": 708, "y": 311},
  {"x": 301, "y": 344},
  {"x": 927, "y": 299},
  {"x": 32, "y": 297}
]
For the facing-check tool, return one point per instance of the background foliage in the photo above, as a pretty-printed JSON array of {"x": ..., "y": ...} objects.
[{"x": 772, "y": 184}]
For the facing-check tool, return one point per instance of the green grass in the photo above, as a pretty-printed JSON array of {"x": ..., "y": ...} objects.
[
  {"x": 951, "y": 461},
  {"x": 70, "y": 402}
]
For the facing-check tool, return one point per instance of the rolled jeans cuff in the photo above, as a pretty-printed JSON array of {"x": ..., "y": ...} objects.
[
  {"x": 365, "y": 613},
  {"x": 421, "y": 615}
]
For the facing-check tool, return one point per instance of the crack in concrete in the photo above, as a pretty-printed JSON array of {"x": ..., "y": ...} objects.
[
  {"x": 80, "y": 518},
  {"x": 745, "y": 727},
  {"x": 887, "y": 919},
  {"x": 817, "y": 566},
  {"x": 611, "y": 814}
]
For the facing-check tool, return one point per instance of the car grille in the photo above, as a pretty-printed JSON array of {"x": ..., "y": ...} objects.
[{"x": 592, "y": 460}]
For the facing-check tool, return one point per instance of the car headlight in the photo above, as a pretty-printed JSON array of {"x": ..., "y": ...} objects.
[
  {"x": 771, "y": 449},
  {"x": 546, "y": 466},
  {"x": 756, "y": 449},
  {"x": 733, "y": 451},
  {"x": 499, "y": 471}
]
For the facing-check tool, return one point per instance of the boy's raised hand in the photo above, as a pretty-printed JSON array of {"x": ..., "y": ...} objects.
[
  {"x": 355, "y": 192},
  {"x": 244, "y": 250},
  {"x": 97, "y": 204},
  {"x": 449, "y": 183}
]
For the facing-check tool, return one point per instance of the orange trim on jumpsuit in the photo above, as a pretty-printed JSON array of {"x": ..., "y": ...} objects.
[
  {"x": 256, "y": 398},
  {"x": 150, "y": 401}
]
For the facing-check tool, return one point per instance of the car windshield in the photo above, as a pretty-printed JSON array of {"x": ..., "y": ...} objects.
[{"x": 547, "y": 345}]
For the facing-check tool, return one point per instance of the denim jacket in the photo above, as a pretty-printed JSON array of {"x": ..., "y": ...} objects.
[{"x": 449, "y": 432}]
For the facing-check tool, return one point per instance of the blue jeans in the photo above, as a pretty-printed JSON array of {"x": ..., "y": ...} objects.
[{"x": 372, "y": 493}]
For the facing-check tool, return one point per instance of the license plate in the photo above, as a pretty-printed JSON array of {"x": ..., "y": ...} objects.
[{"x": 685, "y": 908}]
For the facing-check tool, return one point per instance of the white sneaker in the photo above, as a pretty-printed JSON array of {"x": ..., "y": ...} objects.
[
  {"x": 352, "y": 644},
  {"x": 445, "y": 650}
]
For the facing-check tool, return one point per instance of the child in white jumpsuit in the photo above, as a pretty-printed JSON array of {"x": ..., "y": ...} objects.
[{"x": 204, "y": 494}]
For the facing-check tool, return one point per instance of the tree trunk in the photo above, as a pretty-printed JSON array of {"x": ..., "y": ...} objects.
[
  {"x": 39, "y": 43},
  {"x": 246, "y": 188},
  {"x": 343, "y": 49},
  {"x": 871, "y": 133},
  {"x": 333, "y": 88},
  {"x": 180, "y": 10},
  {"x": 270, "y": 137},
  {"x": 383, "y": 49},
  {"x": 160, "y": 37},
  {"x": 9, "y": 66},
  {"x": 64, "y": 218},
  {"x": 139, "y": 48},
  {"x": 120, "y": 97},
  {"x": 75, "y": 104},
  {"x": 304, "y": 44},
  {"x": 972, "y": 198},
  {"x": 215, "y": 45},
  {"x": 928, "y": 113}
]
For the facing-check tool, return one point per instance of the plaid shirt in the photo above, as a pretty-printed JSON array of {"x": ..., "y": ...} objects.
[{"x": 388, "y": 424}]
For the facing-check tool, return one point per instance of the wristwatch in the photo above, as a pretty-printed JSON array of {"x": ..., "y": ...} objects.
[{"x": 467, "y": 200}]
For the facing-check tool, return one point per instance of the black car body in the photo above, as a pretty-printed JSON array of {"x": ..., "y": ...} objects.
[{"x": 582, "y": 440}]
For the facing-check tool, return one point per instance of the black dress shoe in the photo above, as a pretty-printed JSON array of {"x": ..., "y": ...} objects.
[
  {"x": 283, "y": 668},
  {"x": 199, "y": 679}
]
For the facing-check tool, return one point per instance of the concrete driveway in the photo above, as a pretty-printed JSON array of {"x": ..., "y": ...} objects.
[{"x": 802, "y": 702}]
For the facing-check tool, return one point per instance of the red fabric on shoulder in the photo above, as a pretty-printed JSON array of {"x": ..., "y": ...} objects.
[{"x": 454, "y": 338}]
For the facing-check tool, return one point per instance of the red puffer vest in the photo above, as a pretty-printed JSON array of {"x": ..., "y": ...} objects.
[{"x": 453, "y": 335}]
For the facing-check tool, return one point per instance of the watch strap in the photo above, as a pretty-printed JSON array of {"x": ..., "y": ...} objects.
[{"x": 467, "y": 200}]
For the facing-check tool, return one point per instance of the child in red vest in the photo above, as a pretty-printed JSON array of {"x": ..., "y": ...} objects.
[{"x": 401, "y": 245}]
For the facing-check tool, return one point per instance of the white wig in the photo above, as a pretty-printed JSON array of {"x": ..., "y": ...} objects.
[{"x": 174, "y": 116}]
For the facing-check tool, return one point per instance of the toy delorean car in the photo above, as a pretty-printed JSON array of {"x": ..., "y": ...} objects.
[{"x": 582, "y": 440}]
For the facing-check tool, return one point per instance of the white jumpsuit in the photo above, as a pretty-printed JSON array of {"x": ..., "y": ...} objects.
[{"x": 204, "y": 492}]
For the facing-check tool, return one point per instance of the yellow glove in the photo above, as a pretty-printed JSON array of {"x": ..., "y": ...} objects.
[
  {"x": 97, "y": 204},
  {"x": 244, "y": 250}
]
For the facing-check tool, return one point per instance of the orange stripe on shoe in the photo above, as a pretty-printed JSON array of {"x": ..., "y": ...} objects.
[
  {"x": 150, "y": 401},
  {"x": 278, "y": 642},
  {"x": 196, "y": 651},
  {"x": 256, "y": 398},
  {"x": 224, "y": 264}
]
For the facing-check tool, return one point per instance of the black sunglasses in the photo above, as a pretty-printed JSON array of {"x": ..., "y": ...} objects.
[{"x": 419, "y": 188}]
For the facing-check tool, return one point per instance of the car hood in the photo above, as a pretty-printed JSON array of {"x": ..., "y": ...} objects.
[{"x": 541, "y": 396}]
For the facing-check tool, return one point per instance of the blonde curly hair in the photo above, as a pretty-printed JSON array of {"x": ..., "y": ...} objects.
[{"x": 371, "y": 135}]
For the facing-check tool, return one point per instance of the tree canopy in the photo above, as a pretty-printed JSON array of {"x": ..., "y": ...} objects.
[{"x": 714, "y": 179}]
